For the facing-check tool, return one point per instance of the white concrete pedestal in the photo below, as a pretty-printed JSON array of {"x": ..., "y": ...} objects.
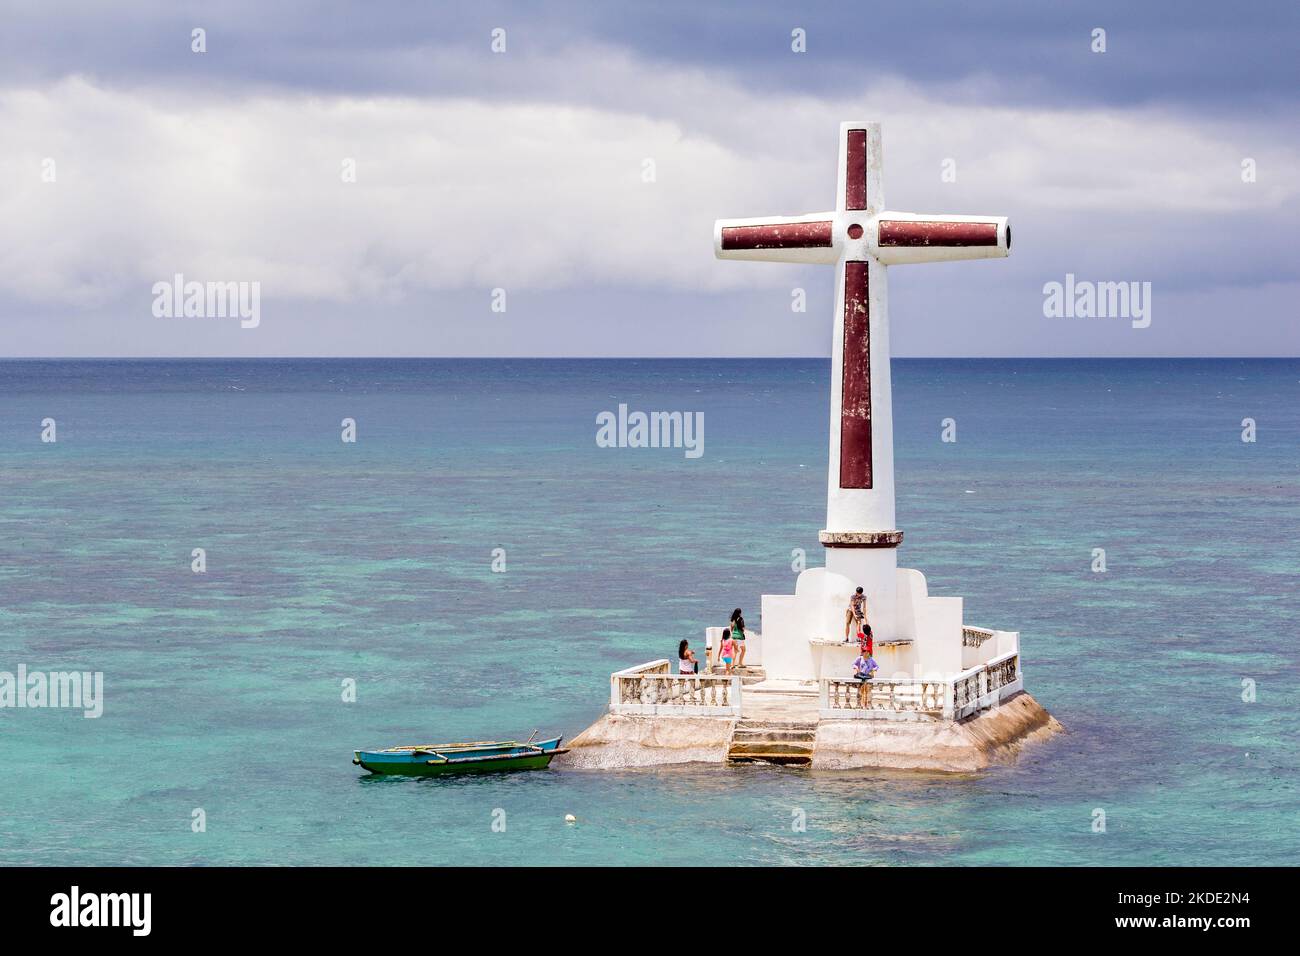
[{"x": 803, "y": 633}]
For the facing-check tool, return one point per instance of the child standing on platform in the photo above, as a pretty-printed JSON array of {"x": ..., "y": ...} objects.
[
  {"x": 727, "y": 649},
  {"x": 865, "y": 667}
]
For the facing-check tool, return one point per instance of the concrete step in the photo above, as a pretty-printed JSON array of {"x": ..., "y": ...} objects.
[
  {"x": 739, "y": 748},
  {"x": 740, "y": 736},
  {"x": 809, "y": 726},
  {"x": 789, "y": 688},
  {"x": 784, "y": 759}
]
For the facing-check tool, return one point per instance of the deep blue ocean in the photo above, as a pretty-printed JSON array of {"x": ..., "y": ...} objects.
[{"x": 372, "y": 562}]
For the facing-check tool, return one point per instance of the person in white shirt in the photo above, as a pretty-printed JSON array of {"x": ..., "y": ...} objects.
[{"x": 686, "y": 662}]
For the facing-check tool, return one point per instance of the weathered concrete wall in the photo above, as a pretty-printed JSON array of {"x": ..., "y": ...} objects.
[
  {"x": 616, "y": 741},
  {"x": 963, "y": 747}
]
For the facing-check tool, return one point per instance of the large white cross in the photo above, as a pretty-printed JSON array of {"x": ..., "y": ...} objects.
[{"x": 861, "y": 238}]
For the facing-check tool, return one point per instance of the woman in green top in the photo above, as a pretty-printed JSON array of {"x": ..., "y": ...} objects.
[{"x": 738, "y": 635}]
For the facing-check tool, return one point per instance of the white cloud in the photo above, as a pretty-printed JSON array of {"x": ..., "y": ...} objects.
[{"x": 465, "y": 193}]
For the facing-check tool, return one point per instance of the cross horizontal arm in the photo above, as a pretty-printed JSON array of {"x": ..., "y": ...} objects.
[
  {"x": 809, "y": 238},
  {"x": 916, "y": 237}
]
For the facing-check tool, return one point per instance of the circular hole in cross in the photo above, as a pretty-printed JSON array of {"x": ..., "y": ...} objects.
[{"x": 855, "y": 231}]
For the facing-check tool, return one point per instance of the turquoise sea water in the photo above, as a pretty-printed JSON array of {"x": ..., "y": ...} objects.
[{"x": 372, "y": 561}]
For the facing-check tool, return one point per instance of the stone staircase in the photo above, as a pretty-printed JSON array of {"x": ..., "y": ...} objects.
[{"x": 788, "y": 743}]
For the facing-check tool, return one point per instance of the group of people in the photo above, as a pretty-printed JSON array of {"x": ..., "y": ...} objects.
[
  {"x": 731, "y": 649},
  {"x": 865, "y": 667}
]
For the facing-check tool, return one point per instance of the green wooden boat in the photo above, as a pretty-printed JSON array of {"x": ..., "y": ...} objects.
[{"x": 479, "y": 756}]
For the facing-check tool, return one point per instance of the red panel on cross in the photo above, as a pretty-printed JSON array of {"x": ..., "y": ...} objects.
[
  {"x": 855, "y": 170},
  {"x": 855, "y": 383},
  {"x": 778, "y": 235},
  {"x": 908, "y": 232}
]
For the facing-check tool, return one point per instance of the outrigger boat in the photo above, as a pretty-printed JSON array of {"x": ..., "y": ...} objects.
[{"x": 479, "y": 756}]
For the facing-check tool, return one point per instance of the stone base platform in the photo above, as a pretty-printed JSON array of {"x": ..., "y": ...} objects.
[
  {"x": 617, "y": 741},
  {"x": 996, "y": 735},
  {"x": 992, "y": 736}
]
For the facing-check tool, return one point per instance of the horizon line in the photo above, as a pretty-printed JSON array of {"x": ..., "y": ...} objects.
[{"x": 611, "y": 358}]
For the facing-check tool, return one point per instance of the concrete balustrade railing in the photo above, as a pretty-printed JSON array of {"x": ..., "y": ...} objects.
[
  {"x": 652, "y": 688},
  {"x": 982, "y": 687},
  {"x": 966, "y": 693},
  {"x": 881, "y": 698},
  {"x": 980, "y": 645}
]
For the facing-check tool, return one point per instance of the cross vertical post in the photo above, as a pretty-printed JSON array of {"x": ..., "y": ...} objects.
[{"x": 860, "y": 237}]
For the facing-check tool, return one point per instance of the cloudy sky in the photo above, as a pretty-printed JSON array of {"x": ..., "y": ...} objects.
[{"x": 126, "y": 158}]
